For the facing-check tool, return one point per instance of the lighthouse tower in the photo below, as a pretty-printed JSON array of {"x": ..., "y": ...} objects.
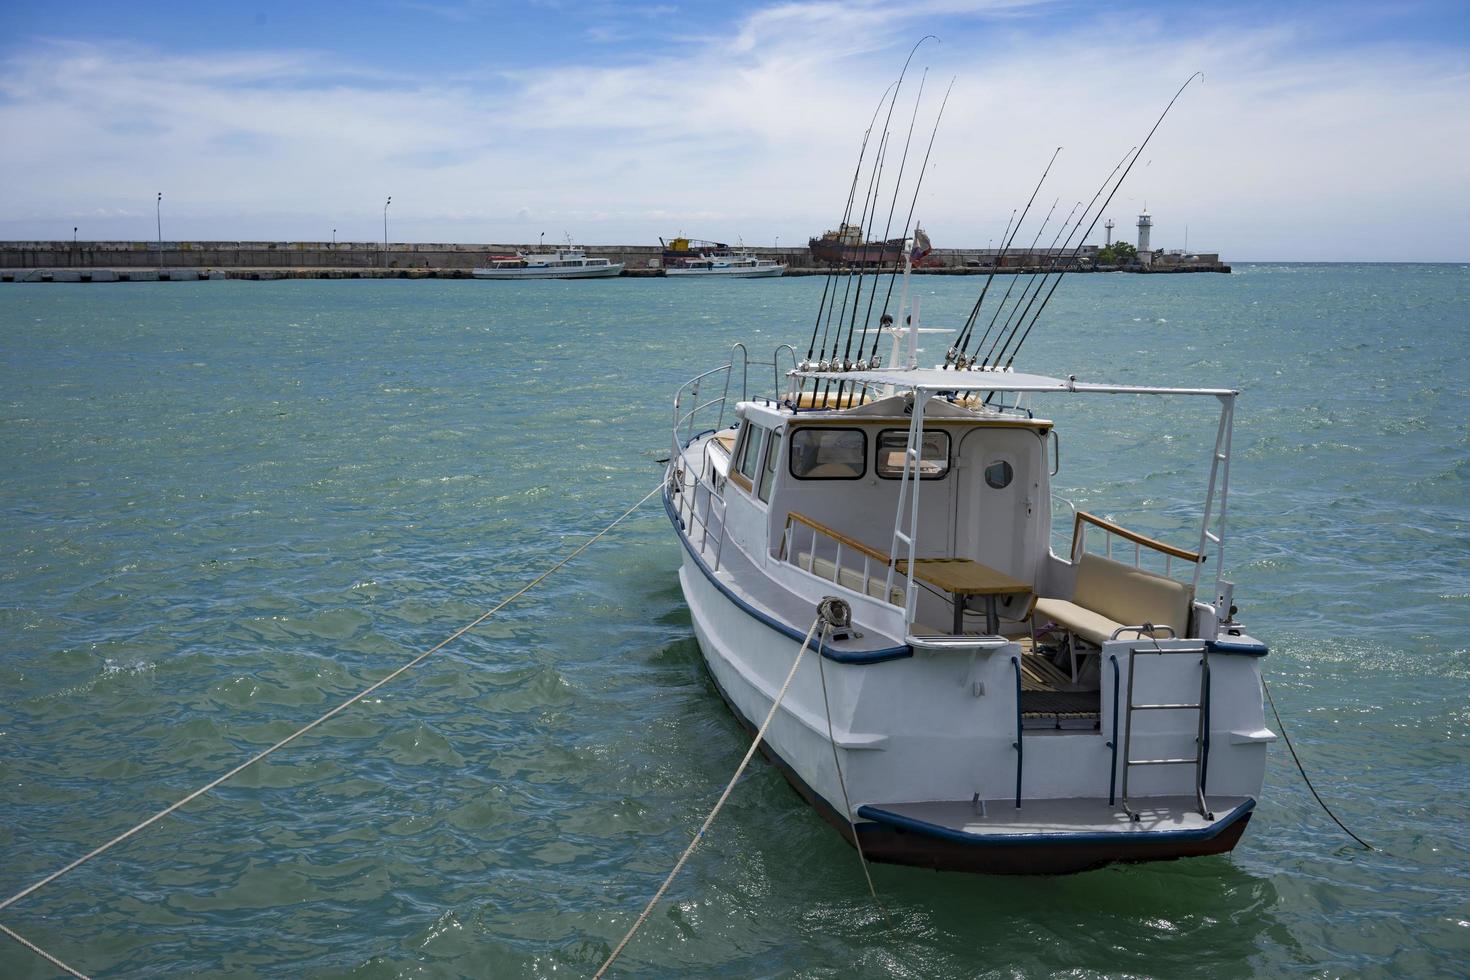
[
  {"x": 1108, "y": 225},
  {"x": 1145, "y": 225}
]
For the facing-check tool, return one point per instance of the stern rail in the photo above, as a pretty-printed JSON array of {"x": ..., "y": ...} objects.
[{"x": 1083, "y": 520}]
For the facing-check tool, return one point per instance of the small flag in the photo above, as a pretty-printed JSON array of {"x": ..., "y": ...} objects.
[{"x": 921, "y": 245}]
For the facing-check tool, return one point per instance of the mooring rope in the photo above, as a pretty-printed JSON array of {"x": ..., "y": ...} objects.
[
  {"x": 739, "y": 770},
  {"x": 842, "y": 781},
  {"x": 1299, "y": 768},
  {"x": 308, "y": 727},
  {"x": 42, "y": 953}
]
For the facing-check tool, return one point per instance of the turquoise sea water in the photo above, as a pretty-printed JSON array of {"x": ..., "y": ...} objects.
[{"x": 229, "y": 505}]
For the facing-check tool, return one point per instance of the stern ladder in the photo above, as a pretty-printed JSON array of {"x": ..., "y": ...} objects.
[{"x": 1200, "y": 707}]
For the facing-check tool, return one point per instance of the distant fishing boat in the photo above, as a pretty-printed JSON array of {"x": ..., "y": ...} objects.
[
  {"x": 564, "y": 263},
  {"x": 726, "y": 265}
]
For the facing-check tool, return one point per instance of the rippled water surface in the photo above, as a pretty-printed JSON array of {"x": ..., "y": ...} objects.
[{"x": 229, "y": 505}]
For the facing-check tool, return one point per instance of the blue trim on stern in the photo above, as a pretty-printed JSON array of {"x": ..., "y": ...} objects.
[
  {"x": 1238, "y": 649},
  {"x": 880, "y": 815}
]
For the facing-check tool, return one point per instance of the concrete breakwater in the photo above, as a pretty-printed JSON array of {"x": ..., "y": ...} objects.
[{"x": 65, "y": 261}]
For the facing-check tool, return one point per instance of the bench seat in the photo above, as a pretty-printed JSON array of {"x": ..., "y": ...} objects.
[
  {"x": 1078, "y": 620},
  {"x": 1110, "y": 595}
]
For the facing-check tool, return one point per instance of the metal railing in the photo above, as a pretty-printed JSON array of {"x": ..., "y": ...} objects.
[
  {"x": 700, "y": 503},
  {"x": 1083, "y": 520},
  {"x": 701, "y": 523},
  {"x": 842, "y": 547},
  {"x": 691, "y": 415}
]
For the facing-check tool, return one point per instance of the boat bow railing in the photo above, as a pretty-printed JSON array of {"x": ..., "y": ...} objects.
[
  {"x": 695, "y": 402},
  {"x": 700, "y": 505}
]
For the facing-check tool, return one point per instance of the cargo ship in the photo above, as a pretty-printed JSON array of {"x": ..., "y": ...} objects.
[{"x": 845, "y": 246}]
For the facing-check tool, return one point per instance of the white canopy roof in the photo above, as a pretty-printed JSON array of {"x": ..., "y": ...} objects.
[{"x": 938, "y": 379}]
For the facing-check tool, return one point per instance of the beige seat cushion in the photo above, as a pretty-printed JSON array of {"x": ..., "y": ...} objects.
[
  {"x": 1110, "y": 594},
  {"x": 1090, "y": 626}
]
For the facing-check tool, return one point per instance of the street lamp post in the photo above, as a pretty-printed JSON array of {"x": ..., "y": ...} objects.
[
  {"x": 385, "y": 228},
  {"x": 334, "y": 236},
  {"x": 158, "y": 215}
]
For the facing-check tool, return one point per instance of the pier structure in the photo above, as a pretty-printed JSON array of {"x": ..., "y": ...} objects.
[{"x": 70, "y": 260}]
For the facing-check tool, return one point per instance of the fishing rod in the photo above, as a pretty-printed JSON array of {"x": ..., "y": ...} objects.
[
  {"x": 1012, "y": 359},
  {"x": 870, "y": 205},
  {"x": 963, "y": 342},
  {"x": 870, "y": 200},
  {"x": 914, "y": 203},
  {"x": 1025, "y": 289},
  {"x": 1058, "y": 260},
  {"x": 1029, "y": 251},
  {"x": 888, "y": 226},
  {"x": 871, "y": 361},
  {"x": 846, "y": 214},
  {"x": 954, "y": 349},
  {"x": 975, "y": 312},
  {"x": 867, "y": 233}
]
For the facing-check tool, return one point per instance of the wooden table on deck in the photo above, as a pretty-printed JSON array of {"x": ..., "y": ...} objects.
[{"x": 962, "y": 577}]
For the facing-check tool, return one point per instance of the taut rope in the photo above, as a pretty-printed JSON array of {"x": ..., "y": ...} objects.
[
  {"x": 739, "y": 770},
  {"x": 304, "y": 729}
]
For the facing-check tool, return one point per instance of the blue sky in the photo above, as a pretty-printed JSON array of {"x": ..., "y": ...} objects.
[{"x": 1333, "y": 132}]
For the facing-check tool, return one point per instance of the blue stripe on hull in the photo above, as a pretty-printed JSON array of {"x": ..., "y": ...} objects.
[{"x": 785, "y": 629}]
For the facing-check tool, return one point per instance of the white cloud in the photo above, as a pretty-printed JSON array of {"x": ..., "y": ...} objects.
[{"x": 1278, "y": 154}]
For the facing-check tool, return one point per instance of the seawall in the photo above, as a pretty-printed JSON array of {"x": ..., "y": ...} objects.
[{"x": 56, "y": 260}]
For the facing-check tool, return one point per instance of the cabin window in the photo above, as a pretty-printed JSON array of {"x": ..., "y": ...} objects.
[
  {"x": 998, "y": 475},
  {"x": 768, "y": 470},
  {"x": 750, "y": 451},
  {"x": 933, "y": 458},
  {"x": 829, "y": 454}
]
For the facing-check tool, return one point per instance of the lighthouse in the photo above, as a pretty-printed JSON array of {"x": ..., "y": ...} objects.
[
  {"x": 1145, "y": 224},
  {"x": 1108, "y": 239}
]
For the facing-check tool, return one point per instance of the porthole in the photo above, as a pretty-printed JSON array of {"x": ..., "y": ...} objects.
[{"x": 998, "y": 475}]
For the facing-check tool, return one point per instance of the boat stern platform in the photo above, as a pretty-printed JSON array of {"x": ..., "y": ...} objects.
[{"x": 1059, "y": 836}]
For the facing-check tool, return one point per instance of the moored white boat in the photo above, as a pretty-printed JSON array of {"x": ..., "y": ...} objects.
[
  {"x": 726, "y": 265},
  {"x": 567, "y": 263},
  {"x": 979, "y": 709}
]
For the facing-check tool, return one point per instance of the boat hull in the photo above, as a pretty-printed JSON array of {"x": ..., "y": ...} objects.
[
  {"x": 598, "y": 272},
  {"x": 933, "y": 848},
  {"x": 873, "y": 253},
  {"x": 769, "y": 272},
  {"x": 746, "y": 654}
]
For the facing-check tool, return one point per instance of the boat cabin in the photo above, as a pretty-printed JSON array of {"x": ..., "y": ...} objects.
[{"x": 807, "y": 486}]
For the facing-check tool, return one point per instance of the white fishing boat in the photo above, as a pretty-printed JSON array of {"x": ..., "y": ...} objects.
[
  {"x": 565, "y": 263},
  {"x": 726, "y": 265},
  {"x": 997, "y": 704},
  {"x": 1004, "y": 708}
]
